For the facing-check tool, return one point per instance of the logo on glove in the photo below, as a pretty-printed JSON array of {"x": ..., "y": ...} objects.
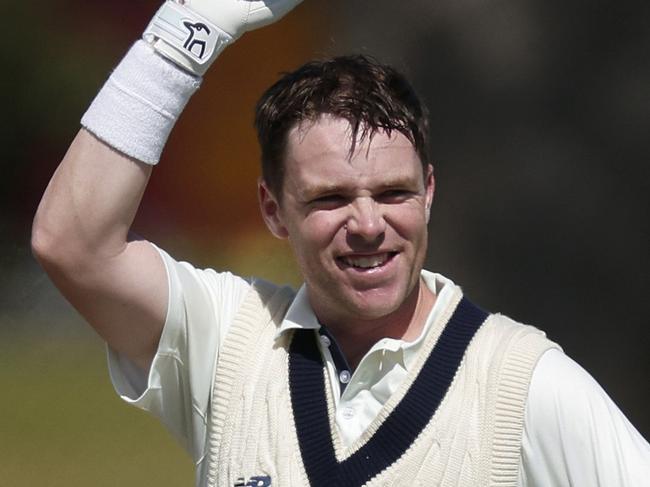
[{"x": 196, "y": 29}]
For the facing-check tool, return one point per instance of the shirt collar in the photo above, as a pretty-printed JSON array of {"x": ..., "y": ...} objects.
[
  {"x": 300, "y": 314},
  {"x": 443, "y": 288}
]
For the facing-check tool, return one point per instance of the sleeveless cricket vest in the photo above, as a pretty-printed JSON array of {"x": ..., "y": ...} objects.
[{"x": 456, "y": 420}]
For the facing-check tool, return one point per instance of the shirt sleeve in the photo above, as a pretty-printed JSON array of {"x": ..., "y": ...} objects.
[
  {"x": 176, "y": 389},
  {"x": 574, "y": 434}
]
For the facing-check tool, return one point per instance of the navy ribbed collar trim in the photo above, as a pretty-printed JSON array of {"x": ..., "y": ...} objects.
[{"x": 402, "y": 426}]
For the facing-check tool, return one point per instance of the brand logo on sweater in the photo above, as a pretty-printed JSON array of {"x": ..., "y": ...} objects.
[{"x": 256, "y": 481}]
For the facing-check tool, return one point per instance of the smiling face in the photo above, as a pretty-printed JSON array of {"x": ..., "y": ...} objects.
[{"x": 357, "y": 224}]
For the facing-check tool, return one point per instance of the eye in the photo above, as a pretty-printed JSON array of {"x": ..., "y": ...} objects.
[
  {"x": 394, "y": 196},
  {"x": 328, "y": 201}
]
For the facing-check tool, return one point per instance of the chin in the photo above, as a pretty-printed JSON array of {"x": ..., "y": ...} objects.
[{"x": 376, "y": 303}]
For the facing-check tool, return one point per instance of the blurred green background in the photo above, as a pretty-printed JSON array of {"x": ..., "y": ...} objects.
[{"x": 539, "y": 112}]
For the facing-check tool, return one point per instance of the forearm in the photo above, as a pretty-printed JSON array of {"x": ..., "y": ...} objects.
[
  {"x": 89, "y": 204},
  {"x": 92, "y": 199}
]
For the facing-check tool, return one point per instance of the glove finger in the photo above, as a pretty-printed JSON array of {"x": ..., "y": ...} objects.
[{"x": 265, "y": 12}]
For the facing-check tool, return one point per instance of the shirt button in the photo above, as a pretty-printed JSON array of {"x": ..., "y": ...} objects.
[
  {"x": 325, "y": 341},
  {"x": 344, "y": 376},
  {"x": 348, "y": 413}
]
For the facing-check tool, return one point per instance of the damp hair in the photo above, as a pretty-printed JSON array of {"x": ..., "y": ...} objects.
[{"x": 371, "y": 96}]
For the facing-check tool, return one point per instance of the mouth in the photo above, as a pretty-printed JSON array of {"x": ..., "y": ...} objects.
[{"x": 366, "y": 262}]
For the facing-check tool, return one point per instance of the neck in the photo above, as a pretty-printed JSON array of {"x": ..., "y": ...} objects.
[{"x": 406, "y": 323}]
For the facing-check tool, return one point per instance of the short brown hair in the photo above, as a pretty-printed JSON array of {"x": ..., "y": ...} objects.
[{"x": 371, "y": 96}]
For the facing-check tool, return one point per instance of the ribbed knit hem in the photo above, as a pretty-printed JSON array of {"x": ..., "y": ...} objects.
[{"x": 510, "y": 406}]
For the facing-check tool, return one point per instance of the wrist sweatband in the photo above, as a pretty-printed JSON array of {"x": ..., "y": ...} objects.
[{"x": 137, "y": 107}]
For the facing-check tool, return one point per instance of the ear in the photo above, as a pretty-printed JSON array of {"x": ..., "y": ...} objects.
[
  {"x": 270, "y": 209},
  {"x": 430, "y": 187}
]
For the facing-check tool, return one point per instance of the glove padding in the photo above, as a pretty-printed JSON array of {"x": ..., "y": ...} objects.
[{"x": 194, "y": 32}]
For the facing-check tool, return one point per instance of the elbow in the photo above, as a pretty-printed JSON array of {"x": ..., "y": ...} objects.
[
  {"x": 62, "y": 251},
  {"x": 55, "y": 250},
  {"x": 46, "y": 246}
]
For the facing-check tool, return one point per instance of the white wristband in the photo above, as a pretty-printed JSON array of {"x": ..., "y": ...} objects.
[{"x": 139, "y": 104}]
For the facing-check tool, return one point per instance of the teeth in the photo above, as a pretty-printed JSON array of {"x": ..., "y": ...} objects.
[{"x": 366, "y": 262}]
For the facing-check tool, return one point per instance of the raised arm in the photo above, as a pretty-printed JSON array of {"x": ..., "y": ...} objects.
[
  {"x": 81, "y": 229},
  {"x": 80, "y": 238}
]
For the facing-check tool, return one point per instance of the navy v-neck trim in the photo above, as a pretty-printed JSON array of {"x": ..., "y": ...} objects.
[{"x": 402, "y": 426}]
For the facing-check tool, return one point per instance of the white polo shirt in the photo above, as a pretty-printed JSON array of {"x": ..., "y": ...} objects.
[{"x": 573, "y": 433}]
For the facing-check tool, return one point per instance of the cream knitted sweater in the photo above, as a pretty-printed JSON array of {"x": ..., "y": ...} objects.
[{"x": 455, "y": 421}]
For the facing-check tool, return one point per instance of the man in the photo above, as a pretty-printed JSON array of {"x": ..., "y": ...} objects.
[{"x": 375, "y": 372}]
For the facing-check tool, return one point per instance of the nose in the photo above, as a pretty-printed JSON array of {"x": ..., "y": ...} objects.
[{"x": 366, "y": 219}]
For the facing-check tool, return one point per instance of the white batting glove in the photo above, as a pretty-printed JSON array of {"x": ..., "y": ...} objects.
[{"x": 192, "y": 33}]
